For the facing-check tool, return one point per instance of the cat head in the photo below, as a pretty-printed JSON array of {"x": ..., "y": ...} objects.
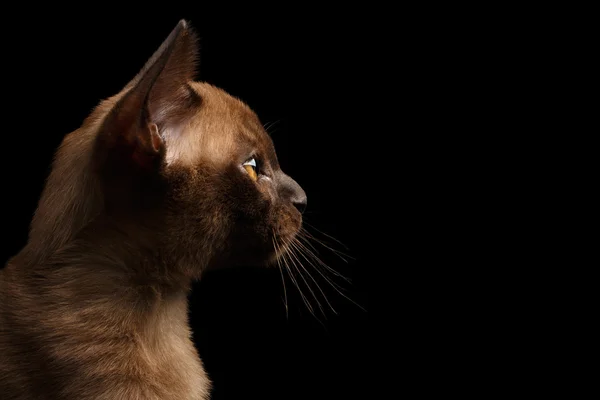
[{"x": 183, "y": 160}]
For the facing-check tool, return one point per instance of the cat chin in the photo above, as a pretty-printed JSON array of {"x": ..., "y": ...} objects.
[
  {"x": 260, "y": 258},
  {"x": 267, "y": 259},
  {"x": 273, "y": 260}
]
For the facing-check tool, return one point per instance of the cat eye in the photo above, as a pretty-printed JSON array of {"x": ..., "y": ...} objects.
[{"x": 250, "y": 167}]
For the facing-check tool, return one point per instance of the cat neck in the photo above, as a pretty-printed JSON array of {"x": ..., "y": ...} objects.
[
  {"x": 110, "y": 256},
  {"x": 132, "y": 248}
]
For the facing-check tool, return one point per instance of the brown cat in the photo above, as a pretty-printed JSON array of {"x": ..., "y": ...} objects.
[{"x": 163, "y": 180}]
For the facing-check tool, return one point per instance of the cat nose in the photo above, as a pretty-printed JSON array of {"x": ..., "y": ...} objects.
[
  {"x": 299, "y": 200},
  {"x": 290, "y": 189}
]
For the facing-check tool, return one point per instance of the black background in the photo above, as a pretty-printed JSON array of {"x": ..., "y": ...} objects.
[{"x": 303, "y": 73}]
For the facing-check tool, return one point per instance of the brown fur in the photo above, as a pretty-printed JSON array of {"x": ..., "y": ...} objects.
[{"x": 148, "y": 193}]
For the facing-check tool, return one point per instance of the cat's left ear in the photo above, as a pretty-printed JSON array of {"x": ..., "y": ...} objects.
[{"x": 157, "y": 97}]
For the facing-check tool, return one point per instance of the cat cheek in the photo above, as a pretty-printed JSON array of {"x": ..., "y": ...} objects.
[{"x": 266, "y": 193}]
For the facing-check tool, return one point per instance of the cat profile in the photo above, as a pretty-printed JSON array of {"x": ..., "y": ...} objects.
[{"x": 164, "y": 180}]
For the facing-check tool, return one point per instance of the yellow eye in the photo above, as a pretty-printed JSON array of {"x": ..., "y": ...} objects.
[{"x": 250, "y": 167}]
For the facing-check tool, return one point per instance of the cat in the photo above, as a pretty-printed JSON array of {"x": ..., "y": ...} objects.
[{"x": 166, "y": 179}]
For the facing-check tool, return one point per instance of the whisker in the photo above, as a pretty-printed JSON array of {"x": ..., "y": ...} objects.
[
  {"x": 288, "y": 257},
  {"x": 331, "y": 270},
  {"x": 285, "y": 256},
  {"x": 324, "y": 234},
  {"x": 337, "y": 287},
  {"x": 339, "y": 253},
  {"x": 294, "y": 258},
  {"x": 291, "y": 253},
  {"x": 282, "y": 279},
  {"x": 270, "y": 125},
  {"x": 302, "y": 276},
  {"x": 299, "y": 250},
  {"x": 320, "y": 262},
  {"x": 328, "y": 268},
  {"x": 303, "y": 234}
]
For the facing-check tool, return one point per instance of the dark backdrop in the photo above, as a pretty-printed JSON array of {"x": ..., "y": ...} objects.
[{"x": 303, "y": 74}]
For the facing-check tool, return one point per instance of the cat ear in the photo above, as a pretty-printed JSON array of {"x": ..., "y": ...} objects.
[{"x": 159, "y": 95}]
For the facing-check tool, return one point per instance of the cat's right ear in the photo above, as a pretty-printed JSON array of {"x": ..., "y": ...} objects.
[{"x": 157, "y": 97}]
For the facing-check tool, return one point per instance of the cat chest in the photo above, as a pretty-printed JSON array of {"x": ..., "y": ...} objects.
[
  {"x": 172, "y": 370},
  {"x": 130, "y": 366}
]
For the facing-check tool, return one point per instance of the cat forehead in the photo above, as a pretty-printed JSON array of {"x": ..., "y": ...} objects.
[
  {"x": 219, "y": 129},
  {"x": 220, "y": 104},
  {"x": 217, "y": 97}
]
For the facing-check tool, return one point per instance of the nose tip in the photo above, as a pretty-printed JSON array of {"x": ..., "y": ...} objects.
[
  {"x": 289, "y": 189},
  {"x": 299, "y": 201}
]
